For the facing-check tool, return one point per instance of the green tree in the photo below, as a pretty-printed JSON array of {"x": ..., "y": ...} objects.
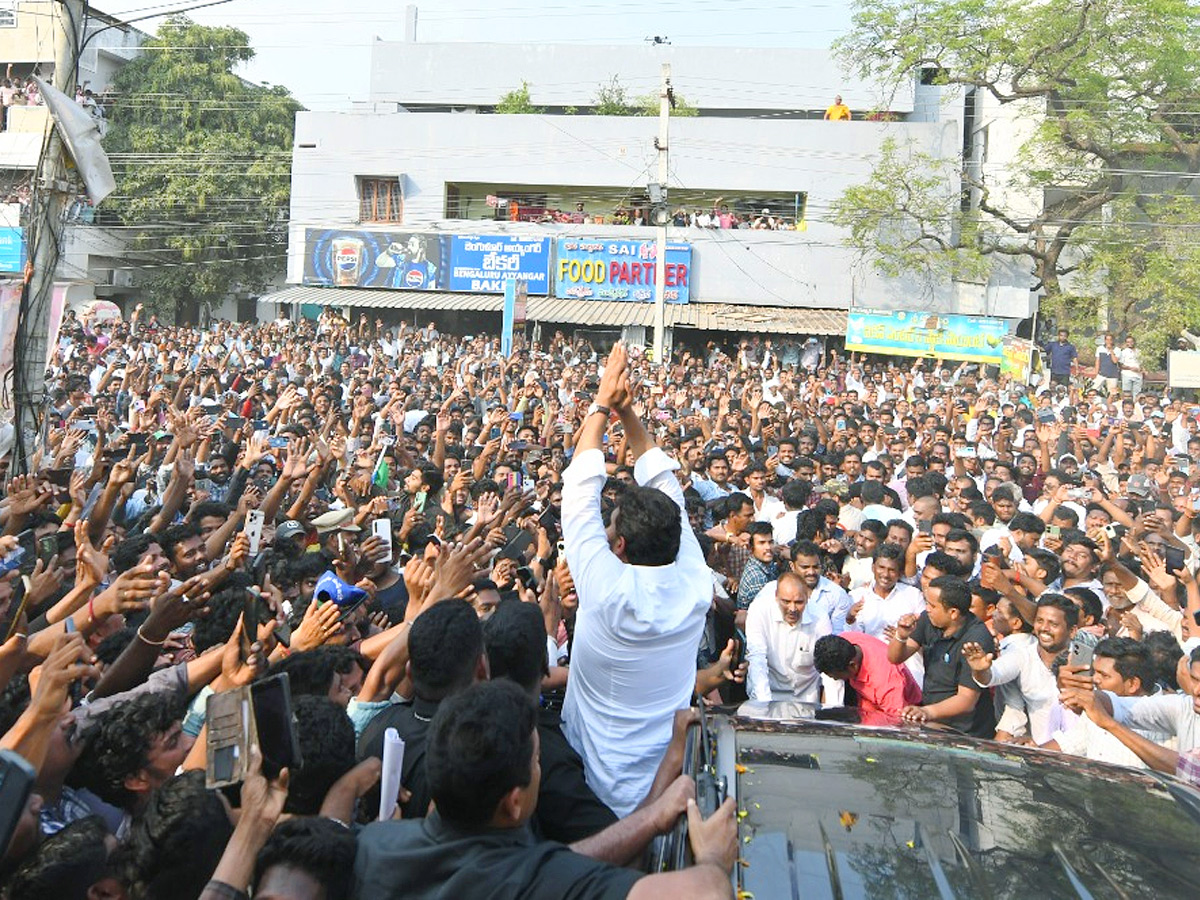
[
  {"x": 517, "y": 103},
  {"x": 648, "y": 105},
  {"x": 612, "y": 99},
  {"x": 203, "y": 165},
  {"x": 1110, "y": 89}
]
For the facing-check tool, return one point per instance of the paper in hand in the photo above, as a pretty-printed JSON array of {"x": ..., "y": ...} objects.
[{"x": 393, "y": 766}]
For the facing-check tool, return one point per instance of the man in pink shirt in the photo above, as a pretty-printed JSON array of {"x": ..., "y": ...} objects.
[{"x": 861, "y": 661}]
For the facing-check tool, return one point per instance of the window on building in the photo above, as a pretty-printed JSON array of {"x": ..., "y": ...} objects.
[{"x": 380, "y": 200}]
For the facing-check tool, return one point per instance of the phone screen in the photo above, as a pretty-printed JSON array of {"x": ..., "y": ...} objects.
[
  {"x": 251, "y": 616},
  {"x": 275, "y": 723},
  {"x": 419, "y": 499}
]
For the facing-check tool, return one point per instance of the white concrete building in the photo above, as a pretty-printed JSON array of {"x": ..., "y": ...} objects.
[
  {"x": 426, "y": 155},
  {"x": 94, "y": 262}
]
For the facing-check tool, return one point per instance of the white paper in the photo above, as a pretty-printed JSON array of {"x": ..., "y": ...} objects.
[{"x": 389, "y": 780}]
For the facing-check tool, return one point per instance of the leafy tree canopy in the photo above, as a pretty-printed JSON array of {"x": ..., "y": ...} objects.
[
  {"x": 202, "y": 160},
  {"x": 1102, "y": 199},
  {"x": 517, "y": 103}
]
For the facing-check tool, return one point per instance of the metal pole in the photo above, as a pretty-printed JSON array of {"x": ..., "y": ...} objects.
[
  {"x": 45, "y": 239},
  {"x": 660, "y": 260}
]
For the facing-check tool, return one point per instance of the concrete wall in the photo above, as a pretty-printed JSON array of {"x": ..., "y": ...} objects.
[{"x": 569, "y": 75}]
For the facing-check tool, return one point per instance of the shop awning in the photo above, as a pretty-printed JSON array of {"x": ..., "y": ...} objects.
[{"x": 612, "y": 313}]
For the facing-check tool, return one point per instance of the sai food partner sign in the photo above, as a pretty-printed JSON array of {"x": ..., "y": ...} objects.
[
  {"x": 978, "y": 339},
  {"x": 597, "y": 269}
]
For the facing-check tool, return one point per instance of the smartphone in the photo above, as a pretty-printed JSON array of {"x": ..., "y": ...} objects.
[
  {"x": 47, "y": 548},
  {"x": 277, "y": 443},
  {"x": 516, "y": 416},
  {"x": 16, "y": 606},
  {"x": 1174, "y": 558},
  {"x": 382, "y": 529},
  {"x": 61, "y": 477},
  {"x": 419, "y": 499},
  {"x": 254, "y": 530},
  {"x": 275, "y": 724},
  {"x": 27, "y": 545},
  {"x": 1045, "y": 416},
  {"x": 1083, "y": 647},
  {"x": 925, "y": 526},
  {"x": 1054, "y": 531},
  {"x": 234, "y": 422},
  {"x": 251, "y": 616},
  {"x": 16, "y": 784},
  {"x": 494, "y": 434},
  {"x": 139, "y": 441}
]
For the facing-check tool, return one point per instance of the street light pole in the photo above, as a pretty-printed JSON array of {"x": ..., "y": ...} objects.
[
  {"x": 660, "y": 261},
  {"x": 50, "y": 192}
]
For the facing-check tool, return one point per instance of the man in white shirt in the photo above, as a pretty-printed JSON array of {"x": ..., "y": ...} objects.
[
  {"x": 1123, "y": 667},
  {"x": 644, "y": 591},
  {"x": 879, "y": 605},
  {"x": 780, "y": 636},
  {"x": 1028, "y": 664}
]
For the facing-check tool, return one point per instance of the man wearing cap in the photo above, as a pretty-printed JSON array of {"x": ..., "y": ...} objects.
[{"x": 332, "y": 527}]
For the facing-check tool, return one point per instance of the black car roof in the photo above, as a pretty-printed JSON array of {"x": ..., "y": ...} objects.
[{"x": 836, "y": 811}]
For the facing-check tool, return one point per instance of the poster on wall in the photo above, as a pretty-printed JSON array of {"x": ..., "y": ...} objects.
[
  {"x": 1020, "y": 359},
  {"x": 12, "y": 250},
  {"x": 598, "y": 269},
  {"x": 978, "y": 339},
  {"x": 483, "y": 263},
  {"x": 407, "y": 261}
]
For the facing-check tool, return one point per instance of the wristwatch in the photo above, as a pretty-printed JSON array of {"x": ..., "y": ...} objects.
[{"x": 596, "y": 407}]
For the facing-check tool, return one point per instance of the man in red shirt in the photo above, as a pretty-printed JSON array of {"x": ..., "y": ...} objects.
[{"x": 861, "y": 661}]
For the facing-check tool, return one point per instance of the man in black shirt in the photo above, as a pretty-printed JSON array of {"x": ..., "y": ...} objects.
[
  {"x": 484, "y": 776},
  {"x": 949, "y": 694},
  {"x": 445, "y": 647}
]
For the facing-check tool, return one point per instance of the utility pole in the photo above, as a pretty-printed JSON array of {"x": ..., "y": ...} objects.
[
  {"x": 50, "y": 193},
  {"x": 663, "y": 215}
]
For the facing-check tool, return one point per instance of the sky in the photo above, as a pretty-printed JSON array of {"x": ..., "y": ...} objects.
[{"x": 321, "y": 51}]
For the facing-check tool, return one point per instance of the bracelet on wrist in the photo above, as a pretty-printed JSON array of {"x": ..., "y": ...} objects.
[{"x": 147, "y": 640}]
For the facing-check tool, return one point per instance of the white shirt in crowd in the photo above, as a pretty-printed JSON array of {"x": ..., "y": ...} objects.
[
  {"x": 779, "y": 655},
  {"x": 633, "y": 661},
  {"x": 1021, "y": 664}
]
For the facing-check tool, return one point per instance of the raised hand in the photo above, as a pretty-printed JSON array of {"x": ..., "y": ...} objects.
[{"x": 976, "y": 658}]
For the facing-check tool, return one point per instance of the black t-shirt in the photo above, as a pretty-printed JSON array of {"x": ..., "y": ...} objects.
[
  {"x": 567, "y": 809},
  {"x": 946, "y": 670},
  {"x": 424, "y": 859},
  {"x": 411, "y": 721}
]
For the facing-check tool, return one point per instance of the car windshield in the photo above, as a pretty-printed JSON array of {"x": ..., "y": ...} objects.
[{"x": 895, "y": 817}]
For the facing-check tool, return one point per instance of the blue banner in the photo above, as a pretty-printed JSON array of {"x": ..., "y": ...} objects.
[
  {"x": 598, "y": 269},
  {"x": 482, "y": 263},
  {"x": 405, "y": 260},
  {"x": 978, "y": 339},
  {"x": 12, "y": 250}
]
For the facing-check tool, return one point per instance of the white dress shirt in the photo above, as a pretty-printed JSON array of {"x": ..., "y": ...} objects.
[
  {"x": 879, "y": 613},
  {"x": 633, "y": 661},
  {"x": 780, "y": 656},
  {"x": 1022, "y": 664}
]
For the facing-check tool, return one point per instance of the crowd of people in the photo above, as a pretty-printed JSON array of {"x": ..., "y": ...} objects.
[
  {"x": 719, "y": 216},
  {"x": 527, "y": 569}
]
